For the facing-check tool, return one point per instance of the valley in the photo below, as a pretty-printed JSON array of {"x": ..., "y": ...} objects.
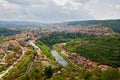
[
  {"x": 69, "y": 53},
  {"x": 59, "y": 39}
]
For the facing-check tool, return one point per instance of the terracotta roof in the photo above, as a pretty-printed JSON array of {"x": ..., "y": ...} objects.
[
  {"x": 119, "y": 68},
  {"x": 13, "y": 41},
  {"x": 1, "y": 52},
  {"x": 10, "y": 41},
  {"x": 27, "y": 49},
  {"x": 104, "y": 67}
]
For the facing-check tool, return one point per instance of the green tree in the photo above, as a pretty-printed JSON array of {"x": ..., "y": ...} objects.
[
  {"x": 111, "y": 74},
  {"x": 48, "y": 72}
]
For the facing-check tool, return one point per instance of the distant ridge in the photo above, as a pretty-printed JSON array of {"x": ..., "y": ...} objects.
[
  {"x": 90, "y": 22},
  {"x": 19, "y": 24},
  {"x": 113, "y": 24}
]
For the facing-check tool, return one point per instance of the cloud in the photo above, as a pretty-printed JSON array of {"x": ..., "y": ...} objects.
[
  {"x": 104, "y": 9},
  {"x": 58, "y": 10},
  {"x": 26, "y": 2},
  {"x": 11, "y": 11}
]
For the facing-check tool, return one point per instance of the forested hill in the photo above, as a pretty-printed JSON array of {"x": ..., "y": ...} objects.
[
  {"x": 105, "y": 50},
  {"x": 114, "y": 24},
  {"x": 7, "y": 32}
]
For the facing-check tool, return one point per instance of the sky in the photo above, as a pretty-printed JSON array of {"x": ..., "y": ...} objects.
[{"x": 59, "y": 10}]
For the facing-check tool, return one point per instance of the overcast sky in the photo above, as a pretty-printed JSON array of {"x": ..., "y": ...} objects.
[{"x": 59, "y": 10}]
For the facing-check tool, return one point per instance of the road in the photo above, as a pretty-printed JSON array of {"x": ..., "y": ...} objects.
[
  {"x": 31, "y": 42},
  {"x": 4, "y": 54},
  {"x": 45, "y": 60},
  {"x": 12, "y": 66},
  {"x": 3, "y": 59}
]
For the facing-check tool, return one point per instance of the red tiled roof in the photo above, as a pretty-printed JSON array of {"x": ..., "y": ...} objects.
[
  {"x": 104, "y": 67},
  {"x": 13, "y": 41},
  {"x": 10, "y": 41},
  {"x": 1, "y": 52}
]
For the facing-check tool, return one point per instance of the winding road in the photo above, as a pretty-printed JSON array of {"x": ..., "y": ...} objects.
[
  {"x": 3, "y": 59},
  {"x": 12, "y": 66},
  {"x": 31, "y": 42},
  {"x": 4, "y": 54}
]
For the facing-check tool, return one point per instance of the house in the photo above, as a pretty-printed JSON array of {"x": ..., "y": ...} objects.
[
  {"x": 1, "y": 52},
  {"x": 6, "y": 44},
  {"x": 119, "y": 68},
  {"x": 81, "y": 60},
  {"x": 104, "y": 67},
  {"x": 26, "y": 49}
]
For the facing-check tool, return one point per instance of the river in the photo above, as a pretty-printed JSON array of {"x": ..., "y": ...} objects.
[{"x": 58, "y": 58}]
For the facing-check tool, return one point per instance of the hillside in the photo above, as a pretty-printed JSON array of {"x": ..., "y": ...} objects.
[
  {"x": 105, "y": 50},
  {"x": 114, "y": 24},
  {"x": 7, "y": 32},
  {"x": 19, "y": 24},
  {"x": 59, "y": 37}
]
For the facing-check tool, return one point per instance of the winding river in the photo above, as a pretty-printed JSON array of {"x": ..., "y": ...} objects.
[{"x": 58, "y": 58}]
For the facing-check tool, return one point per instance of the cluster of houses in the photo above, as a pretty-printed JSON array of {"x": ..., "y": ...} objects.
[
  {"x": 14, "y": 41},
  {"x": 93, "y": 30},
  {"x": 6, "y": 44},
  {"x": 4, "y": 50},
  {"x": 80, "y": 60},
  {"x": 86, "y": 63},
  {"x": 24, "y": 36}
]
